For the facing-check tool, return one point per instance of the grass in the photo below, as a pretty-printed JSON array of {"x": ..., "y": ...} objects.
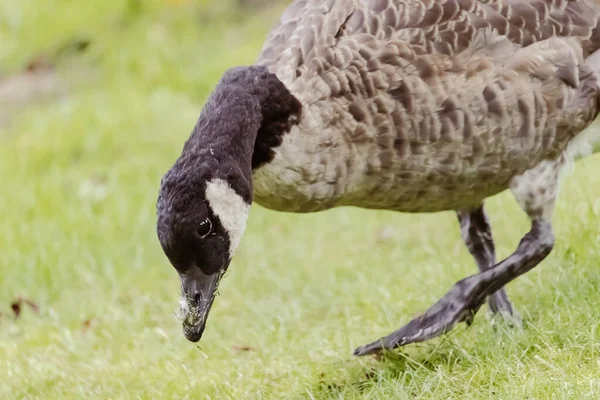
[{"x": 77, "y": 236}]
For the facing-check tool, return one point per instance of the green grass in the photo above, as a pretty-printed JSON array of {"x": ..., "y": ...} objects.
[{"x": 77, "y": 235}]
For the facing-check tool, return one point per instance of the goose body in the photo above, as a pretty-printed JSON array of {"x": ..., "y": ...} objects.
[
  {"x": 420, "y": 106},
  {"x": 405, "y": 105}
]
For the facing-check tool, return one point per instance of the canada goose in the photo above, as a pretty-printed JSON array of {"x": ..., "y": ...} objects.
[{"x": 406, "y": 105}]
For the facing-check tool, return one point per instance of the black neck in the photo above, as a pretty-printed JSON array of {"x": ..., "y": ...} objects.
[{"x": 244, "y": 118}]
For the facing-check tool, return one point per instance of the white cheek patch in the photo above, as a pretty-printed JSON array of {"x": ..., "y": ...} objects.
[{"x": 230, "y": 208}]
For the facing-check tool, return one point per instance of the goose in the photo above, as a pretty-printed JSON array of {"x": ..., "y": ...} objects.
[{"x": 415, "y": 106}]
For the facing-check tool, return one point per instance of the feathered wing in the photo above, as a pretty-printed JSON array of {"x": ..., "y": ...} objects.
[
  {"x": 307, "y": 27},
  {"x": 445, "y": 75},
  {"x": 307, "y": 31}
]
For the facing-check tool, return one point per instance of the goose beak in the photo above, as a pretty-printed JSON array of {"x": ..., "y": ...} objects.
[{"x": 197, "y": 295}]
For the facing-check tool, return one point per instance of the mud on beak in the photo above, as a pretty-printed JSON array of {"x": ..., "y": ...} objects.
[{"x": 198, "y": 292}]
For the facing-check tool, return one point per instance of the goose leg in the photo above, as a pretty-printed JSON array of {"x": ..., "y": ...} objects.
[
  {"x": 535, "y": 191},
  {"x": 477, "y": 234}
]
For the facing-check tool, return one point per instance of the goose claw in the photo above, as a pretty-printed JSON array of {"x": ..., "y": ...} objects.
[{"x": 460, "y": 304}]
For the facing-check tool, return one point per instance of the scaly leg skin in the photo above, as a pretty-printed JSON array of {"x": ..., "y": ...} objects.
[
  {"x": 535, "y": 192},
  {"x": 477, "y": 234}
]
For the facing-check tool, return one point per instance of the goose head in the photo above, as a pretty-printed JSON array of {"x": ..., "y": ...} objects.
[
  {"x": 204, "y": 198},
  {"x": 200, "y": 224}
]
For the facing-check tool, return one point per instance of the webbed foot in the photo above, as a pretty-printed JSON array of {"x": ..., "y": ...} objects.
[{"x": 460, "y": 304}]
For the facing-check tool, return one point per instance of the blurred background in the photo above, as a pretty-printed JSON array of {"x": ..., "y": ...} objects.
[{"x": 96, "y": 101}]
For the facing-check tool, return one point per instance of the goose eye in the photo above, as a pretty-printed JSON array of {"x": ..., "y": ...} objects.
[{"x": 204, "y": 228}]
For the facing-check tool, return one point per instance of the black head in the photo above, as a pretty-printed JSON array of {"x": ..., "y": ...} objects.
[
  {"x": 196, "y": 241},
  {"x": 188, "y": 230}
]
